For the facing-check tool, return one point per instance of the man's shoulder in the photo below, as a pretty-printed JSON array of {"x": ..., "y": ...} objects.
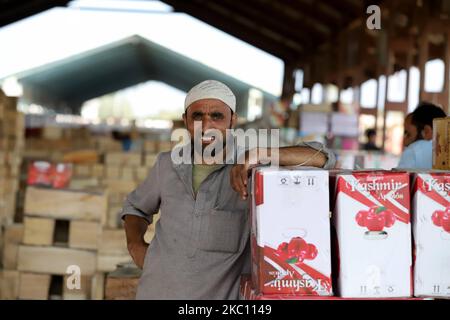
[
  {"x": 164, "y": 157},
  {"x": 420, "y": 145}
]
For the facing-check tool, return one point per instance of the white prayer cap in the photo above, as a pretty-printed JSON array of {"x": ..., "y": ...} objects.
[{"x": 211, "y": 89}]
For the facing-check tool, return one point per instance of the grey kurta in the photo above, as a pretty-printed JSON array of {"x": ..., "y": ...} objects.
[{"x": 201, "y": 245}]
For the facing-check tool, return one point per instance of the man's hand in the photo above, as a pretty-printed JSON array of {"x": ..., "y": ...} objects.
[
  {"x": 285, "y": 156},
  {"x": 137, "y": 252},
  {"x": 240, "y": 172}
]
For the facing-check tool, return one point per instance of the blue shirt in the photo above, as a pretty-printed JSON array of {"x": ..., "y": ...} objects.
[{"x": 418, "y": 155}]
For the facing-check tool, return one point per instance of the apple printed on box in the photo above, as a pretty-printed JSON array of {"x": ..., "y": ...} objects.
[
  {"x": 431, "y": 227},
  {"x": 291, "y": 232},
  {"x": 372, "y": 222}
]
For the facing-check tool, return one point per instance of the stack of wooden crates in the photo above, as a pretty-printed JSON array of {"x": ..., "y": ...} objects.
[
  {"x": 12, "y": 127},
  {"x": 79, "y": 226}
]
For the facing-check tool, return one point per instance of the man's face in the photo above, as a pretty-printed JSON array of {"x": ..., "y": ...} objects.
[
  {"x": 213, "y": 114},
  {"x": 411, "y": 133}
]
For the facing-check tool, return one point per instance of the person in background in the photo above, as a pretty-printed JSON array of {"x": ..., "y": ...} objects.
[
  {"x": 124, "y": 138},
  {"x": 418, "y": 136},
  {"x": 371, "y": 135}
]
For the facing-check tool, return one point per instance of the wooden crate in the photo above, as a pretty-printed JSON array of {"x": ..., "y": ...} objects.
[
  {"x": 65, "y": 204},
  {"x": 90, "y": 184},
  {"x": 38, "y": 286},
  {"x": 55, "y": 260},
  {"x": 113, "y": 241},
  {"x": 33, "y": 286},
  {"x": 109, "y": 262},
  {"x": 98, "y": 170},
  {"x": 84, "y": 234},
  {"x": 38, "y": 231},
  {"x": 11, "y": 239},
  {"x": 151, "y": 146},
  {"x": 82, "y": 170},
  {"x": 9, "y": 284},
  {"x": 123, "y": 159},
  {"x": 128, "y": 173},
  {"x": 80, "y": 234},
  {"x": 122, "y": 283},
  {"x": 113, "y": 171}
]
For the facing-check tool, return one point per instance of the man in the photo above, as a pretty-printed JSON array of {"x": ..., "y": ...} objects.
[
  {"x": 371, "y": 145},
  {"x": 418, "y": 137},
  {"x": 201, "y": 243}
]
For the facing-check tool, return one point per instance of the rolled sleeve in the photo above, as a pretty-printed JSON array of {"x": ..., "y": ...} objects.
[
  {"x": 145, "y": 200},
  {"x": 331, "y": 157}
]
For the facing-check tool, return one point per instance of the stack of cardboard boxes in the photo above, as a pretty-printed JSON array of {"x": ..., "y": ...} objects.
[{"x": 365, "y": 251}]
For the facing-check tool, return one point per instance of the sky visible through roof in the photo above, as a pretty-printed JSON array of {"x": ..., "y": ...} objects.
[{"x": 87, "y": 24}]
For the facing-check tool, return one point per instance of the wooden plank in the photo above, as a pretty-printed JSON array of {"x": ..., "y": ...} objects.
[
  {"x": 83, "y": 170},
  {"x": 116, "y": 186},
  {"x": 98, "y": 170},
  {"x": 12, "y": 237},
  {"x": 128, "y": 173},
  {"x": 108, "y": 263},
  {"x": 33, "y": 286},
  {"x": 98, "y": 286},
  {"x": 65, "y": 204},
  {"x": 55, "y": 260},
  {"x": 9, "y": 284},
  {"x": 123, "y": 159},
  {"x": 38, "y": 231},
  {"x": 113, "y": 171},
  {"x": 86, "y": 184},
  {"x": 84, "y": 234},
  {"x": 113, "y": 241},
  {"x": 151, "y": 146}
]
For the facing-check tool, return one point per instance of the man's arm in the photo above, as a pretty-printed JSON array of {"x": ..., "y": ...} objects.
[
  {"x": 137, "y": 213},
  {"x": 307, "y": 155},
  {"x": 135, "y": 228}
]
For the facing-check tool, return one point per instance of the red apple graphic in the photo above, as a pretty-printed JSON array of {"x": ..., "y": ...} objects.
[
  {"x": 437, "y": 217},
  {"x": 296, "y": 250},
  {"x": 282, "y": 248},
  {"x": 361, "y": 218},
  {"x": 296, "y": 247},
  {"x": 312, "y": 251},
  {"x": 445, "y": 221},
  {"x": 389, "y": 218},
  {"x": 375, "y": 221}
]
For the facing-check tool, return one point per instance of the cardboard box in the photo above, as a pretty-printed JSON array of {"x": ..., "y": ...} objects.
[
  {"x": 372, "y": 221},
  {"x": 290, "y": 232},
  {"x": 247, "y": 292},
  {"x": 441, "y": 143},
  {"x": 431, "y": 228}
]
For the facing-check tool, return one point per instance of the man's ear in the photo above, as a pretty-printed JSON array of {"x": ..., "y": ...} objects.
[
  {"x": 185, "y": 120},
  {"x": 233, "y": 120},
  {"x": 427, "y": 132}
]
